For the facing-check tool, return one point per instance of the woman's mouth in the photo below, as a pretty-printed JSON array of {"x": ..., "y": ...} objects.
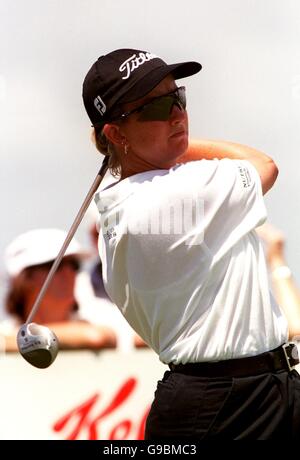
[{"x": 180, "y": 133}]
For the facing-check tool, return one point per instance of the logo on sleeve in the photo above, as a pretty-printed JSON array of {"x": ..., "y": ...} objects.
[{"x": 245, "y": 176}]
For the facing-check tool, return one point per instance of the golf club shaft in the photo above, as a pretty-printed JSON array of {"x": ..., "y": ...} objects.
[{"x": 69, "y": 237}]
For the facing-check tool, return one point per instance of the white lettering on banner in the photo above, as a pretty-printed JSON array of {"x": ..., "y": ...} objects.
[
  {"x": 80, "y": 418},
  {"x": 134, "y": 62}
]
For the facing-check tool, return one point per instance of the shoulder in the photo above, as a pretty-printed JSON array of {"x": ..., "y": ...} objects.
[{"x": 224, "y": 169}]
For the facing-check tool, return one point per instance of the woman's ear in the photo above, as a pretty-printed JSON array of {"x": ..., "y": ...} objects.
[{"x": 113, "y": 134}]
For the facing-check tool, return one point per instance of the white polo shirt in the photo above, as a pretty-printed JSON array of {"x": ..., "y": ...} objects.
[{"x": 183, "y": 263}]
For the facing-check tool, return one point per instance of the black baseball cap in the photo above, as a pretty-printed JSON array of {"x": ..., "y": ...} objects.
[{"x": 126, "y": 75}]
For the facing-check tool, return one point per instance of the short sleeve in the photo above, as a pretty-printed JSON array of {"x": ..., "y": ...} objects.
[
  {"x": 232, "y": 195},
  {"x": 234, "y": 203}
]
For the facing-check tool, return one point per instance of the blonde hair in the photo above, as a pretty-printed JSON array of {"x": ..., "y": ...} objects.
[{"x": 105, "y": 147}]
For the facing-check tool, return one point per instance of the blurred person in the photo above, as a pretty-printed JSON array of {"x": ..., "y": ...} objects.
[
  {"x": 200, "y": 296},
  {"x": 28, "y": 259},
  {"x": 284, "y": 286}
]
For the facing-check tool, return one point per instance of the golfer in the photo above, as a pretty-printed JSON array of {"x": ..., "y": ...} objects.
[{"x": 181, "y": 258}]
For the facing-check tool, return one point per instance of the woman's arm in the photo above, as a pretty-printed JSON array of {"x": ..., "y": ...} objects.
[
  {"x": 82, "y": 334},
  {"x": 210, "y": 149}
]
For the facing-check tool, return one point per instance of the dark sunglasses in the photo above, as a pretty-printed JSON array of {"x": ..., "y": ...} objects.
[
  {"x": 67, "y": 261},
  {"x": 159, "y": 108}
]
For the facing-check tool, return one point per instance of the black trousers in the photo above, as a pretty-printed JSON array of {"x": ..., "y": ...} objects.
[{"x": 260, "y": 407}]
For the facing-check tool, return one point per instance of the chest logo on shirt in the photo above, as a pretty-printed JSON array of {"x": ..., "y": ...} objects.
[
  {"x": 245, "y": 176},
  {"x": 110, "y": 233}
]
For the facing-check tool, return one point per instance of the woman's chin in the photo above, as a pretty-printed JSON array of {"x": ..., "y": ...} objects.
[{"x": 179, "y": 145}]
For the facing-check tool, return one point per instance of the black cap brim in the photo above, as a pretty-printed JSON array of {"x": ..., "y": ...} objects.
[{"x": 146, "y": 84}]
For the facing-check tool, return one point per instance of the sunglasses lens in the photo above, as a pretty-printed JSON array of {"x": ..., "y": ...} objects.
[{"x": 160, "y": 109}]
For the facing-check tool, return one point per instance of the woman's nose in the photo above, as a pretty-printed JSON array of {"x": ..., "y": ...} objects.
[{"x": 177, "y": 113}]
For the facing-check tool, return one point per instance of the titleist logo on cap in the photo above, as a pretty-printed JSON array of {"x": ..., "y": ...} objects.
[{"x": 134, "y": 62}]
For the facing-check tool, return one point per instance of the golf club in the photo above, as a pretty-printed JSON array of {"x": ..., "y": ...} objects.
[{"x": 38, "y": 344}]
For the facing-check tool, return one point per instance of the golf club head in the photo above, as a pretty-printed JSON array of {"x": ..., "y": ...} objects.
[{"x": 37, "y": 344}]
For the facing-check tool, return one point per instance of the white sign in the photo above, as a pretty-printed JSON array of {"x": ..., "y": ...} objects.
[{"x": 82, "y": 395}]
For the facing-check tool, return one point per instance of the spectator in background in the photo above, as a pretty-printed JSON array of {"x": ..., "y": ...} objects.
[
  {"x": 28, "y": 260},
  {"x": 284, "y": 287}
]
